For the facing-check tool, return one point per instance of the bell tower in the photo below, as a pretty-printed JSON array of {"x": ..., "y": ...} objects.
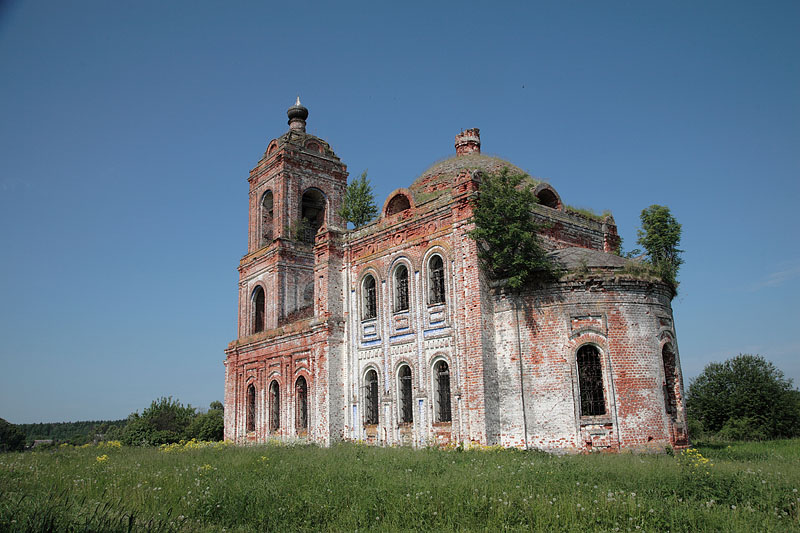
[{"x": 296, "y": 190}]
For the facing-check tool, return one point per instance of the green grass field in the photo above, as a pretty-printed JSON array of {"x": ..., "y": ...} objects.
[{"x": 741, "y": 487}]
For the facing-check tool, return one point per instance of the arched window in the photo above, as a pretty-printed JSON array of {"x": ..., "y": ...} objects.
[
  {"x": 301, "y": 405},
  {"x": 251, "y": 408},
  {"x": 369, "y": 298},
  {"x": 590, "y": 381},
  {"x": 406, "y": 405},
  {"x": 398, "y": 203},
  {"x": 441, "y": 376},
  {"x": 436, "y": 280},
  {"x": 312, "y": 214},
  {"x": 274, "y": 406},
  {"x": 371, "y": 397},
  {"x": 259, "y": 309},
  {"x": 401, "y": 288},
  {"x": 670, "y": 380},
  {"x": 266, "y": 218}
]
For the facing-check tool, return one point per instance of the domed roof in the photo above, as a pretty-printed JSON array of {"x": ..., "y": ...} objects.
[{"x": 438, "y": 179}]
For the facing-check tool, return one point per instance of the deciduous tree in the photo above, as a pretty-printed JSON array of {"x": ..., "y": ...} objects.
[
  {"x": 745, "y": 397},
  {"x": 12, "y": 439}
]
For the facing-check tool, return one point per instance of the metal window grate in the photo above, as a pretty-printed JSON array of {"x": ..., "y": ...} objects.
[
  {"x": 401, "y": 289},
  {"x": 590, "y": 376},
  {"x": 436, "y": 267},
  {"x": 371, "y": 398},
  {"x": 443, "y": 413},
  {"x": 370, "y": 298},
  {"x": 406, "y": 406}
]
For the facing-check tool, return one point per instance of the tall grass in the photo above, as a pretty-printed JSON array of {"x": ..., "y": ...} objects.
[{"x": 742, "y": 487}]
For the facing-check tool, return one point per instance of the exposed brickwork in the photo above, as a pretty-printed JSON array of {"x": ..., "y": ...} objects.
[{"x": 511, "y": 358}]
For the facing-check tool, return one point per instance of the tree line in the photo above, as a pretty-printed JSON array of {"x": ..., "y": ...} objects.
[{"x": 165, "y": 421}]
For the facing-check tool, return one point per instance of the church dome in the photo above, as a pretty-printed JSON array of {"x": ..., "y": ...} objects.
[{"x": 438, "y": 179}]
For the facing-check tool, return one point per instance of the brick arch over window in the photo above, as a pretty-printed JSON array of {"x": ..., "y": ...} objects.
[
  {"x": 312, "y": 214},
  {"x": 266, "y": 219},
  {"x": 371, "y": 393},
  {"x": 590, "y": 381},
  {"x": 369, "y": 297},
  {"x": 250, "y": 409},
  {"x": 258, "y": 300},
  {"x": 274, "y": 406},
  {"x": 397, "y": 202}
]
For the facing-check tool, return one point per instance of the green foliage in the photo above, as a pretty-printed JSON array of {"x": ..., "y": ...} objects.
[
  {"x": 167, "y": 421},
  {"x": 505, "y": 230},
  {"x": 208, "y": 426},
  {"x": 744, "y": 398},
  {"x": 12, "y": 438},
  {"x": 73, "y": 432},
  {"x": 164, "y": 422},
  {"x": 352, "y": 487},
  {"x": 358, "y": 204},
  {"x": 660, "y": 236}
]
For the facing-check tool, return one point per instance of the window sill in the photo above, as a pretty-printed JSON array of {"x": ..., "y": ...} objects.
[{"x": 600, "y": 420}]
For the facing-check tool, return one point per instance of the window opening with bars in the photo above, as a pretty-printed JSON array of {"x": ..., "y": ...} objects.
[
  {"x": 442, "y": 376},
  {"x": 371, "y": 398},
  {"x": 590, "y": 381},
  {"x": 436, "y": 272},
  {"x": 406, "y": 406},
  {"x": 401, "y": 289},
  {"x": 370, "y": 298}
]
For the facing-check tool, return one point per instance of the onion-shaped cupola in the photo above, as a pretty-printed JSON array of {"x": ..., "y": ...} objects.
[{"x": 297, "y": 116}]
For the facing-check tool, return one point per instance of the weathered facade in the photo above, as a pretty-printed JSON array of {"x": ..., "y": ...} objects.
[{"x": 393, "y": 335}]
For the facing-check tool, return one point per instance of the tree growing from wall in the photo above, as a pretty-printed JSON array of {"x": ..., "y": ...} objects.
[
  {"x": 660, "y": 236},
  {"x": 506, "y": 231},
  {"x": 744, "y": 398},
  {"x": 358, "y": 204}
]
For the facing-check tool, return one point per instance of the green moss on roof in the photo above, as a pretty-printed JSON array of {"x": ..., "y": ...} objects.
[{"x": 588, "y": 212}]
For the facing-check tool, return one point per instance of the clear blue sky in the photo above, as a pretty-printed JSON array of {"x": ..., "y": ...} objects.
[{"x": 127, "y": 130}]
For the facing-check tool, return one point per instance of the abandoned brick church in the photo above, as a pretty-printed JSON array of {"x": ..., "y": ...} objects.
[{"x": 392, "y": 334}]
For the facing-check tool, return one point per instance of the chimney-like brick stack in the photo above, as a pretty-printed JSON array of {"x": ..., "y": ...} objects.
[{"x": 468, "y": 142}]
